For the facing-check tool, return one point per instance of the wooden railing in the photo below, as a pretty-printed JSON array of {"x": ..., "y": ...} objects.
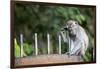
[
  {"x": 36, "y": 44},
  {"x": 47, "y": 58}
]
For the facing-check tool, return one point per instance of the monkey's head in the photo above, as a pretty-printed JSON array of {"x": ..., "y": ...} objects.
[{"x": 70, "y": 25}]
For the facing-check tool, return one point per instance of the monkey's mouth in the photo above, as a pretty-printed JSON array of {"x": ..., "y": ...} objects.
[{"x": 65, "y": 28}]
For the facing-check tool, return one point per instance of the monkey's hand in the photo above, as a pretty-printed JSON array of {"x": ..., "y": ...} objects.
[{"x": 63, "y": 36}]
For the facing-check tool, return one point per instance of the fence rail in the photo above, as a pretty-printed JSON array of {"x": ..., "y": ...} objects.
[{"x": 36, "y": 44}]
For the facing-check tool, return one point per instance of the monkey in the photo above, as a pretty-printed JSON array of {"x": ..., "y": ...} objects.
[{"x": 76, "y": 37}]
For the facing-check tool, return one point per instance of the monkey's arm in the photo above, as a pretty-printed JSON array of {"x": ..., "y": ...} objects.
[{"x": 64, "y": 36}]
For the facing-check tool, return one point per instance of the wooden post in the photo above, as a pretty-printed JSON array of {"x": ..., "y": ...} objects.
[
  {"x": 48, "y": 40},
  {"x": 36, "y": 45},
  {"x": 21, "y": 41},
  {"x": 59, "y": 44}
]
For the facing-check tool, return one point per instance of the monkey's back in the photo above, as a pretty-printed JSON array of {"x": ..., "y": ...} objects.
[{"x": 82, "y": 36}]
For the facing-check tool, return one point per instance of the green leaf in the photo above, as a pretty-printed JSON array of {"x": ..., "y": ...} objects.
[
  {"x": 28, "y": 49},
  {"x": 17, "y": 48}
]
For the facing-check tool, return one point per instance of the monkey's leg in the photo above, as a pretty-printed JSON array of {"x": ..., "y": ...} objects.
[{"x": 76, "y": 48}]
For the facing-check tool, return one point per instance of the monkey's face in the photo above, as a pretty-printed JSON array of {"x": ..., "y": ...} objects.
[{"x": 71, "y": 25}]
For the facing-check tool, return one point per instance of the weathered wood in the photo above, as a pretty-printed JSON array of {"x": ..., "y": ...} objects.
[
  {"x": 48, "y": 40},
  {"x": 59, "y": 44},
  {"x": 36, "y": 44},
  {"x": 46, "y": 59},
  {"x": 21, "y": 42}
]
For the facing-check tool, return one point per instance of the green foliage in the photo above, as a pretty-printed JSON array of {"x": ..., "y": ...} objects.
[
  {"x": 28, "y": 50},
  {"x": 17, "y": 48}
]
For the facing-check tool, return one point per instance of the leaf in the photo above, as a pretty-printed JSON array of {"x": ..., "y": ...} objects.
[
  {"x": 28, "y": 49},
  {"x": 17, "y": 48}
]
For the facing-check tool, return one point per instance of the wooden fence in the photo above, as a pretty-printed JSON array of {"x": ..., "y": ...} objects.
[
  {"x": 36, "y": 44},
  {"x": 44, "y": 59}
]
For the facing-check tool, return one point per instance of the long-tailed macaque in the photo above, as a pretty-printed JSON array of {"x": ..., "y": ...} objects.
[{"x": 76, "y": 37}]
